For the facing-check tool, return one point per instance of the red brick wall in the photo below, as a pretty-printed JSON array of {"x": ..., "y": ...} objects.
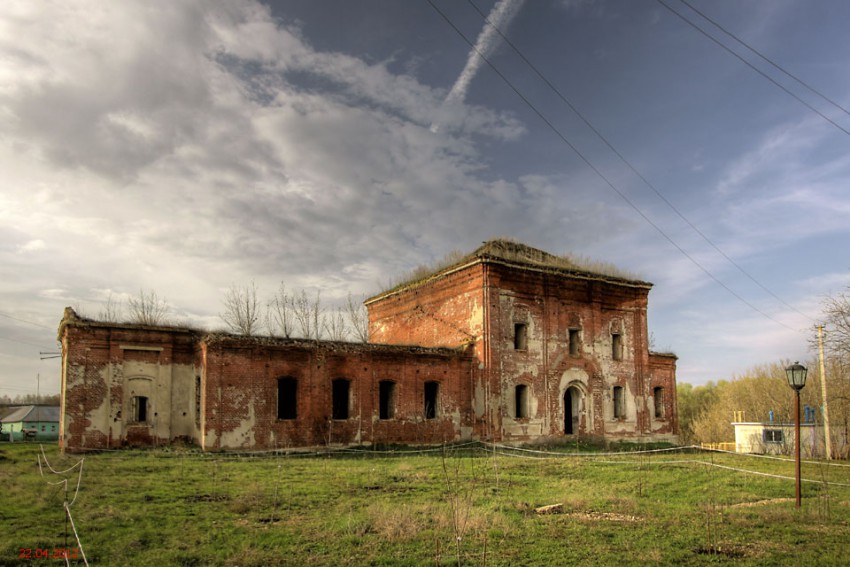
[
  {"x": 102, "y": 362},
  {"x": 490, "y": 298},
  {"x": 241, "y": 384},
  {"x": 474, "y": 309}
]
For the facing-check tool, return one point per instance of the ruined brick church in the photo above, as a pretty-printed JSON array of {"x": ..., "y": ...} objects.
[{"x": 508, "y": 344}]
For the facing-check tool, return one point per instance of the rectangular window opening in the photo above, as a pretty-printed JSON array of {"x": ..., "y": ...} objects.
[
  {"x": 619, "y": 403},
  {"x": 521, "y": 399},
  {"x": 520, "y": 336},
  {"x": 140, "y": 409},
  {"x": 198, "y": 401},
  {"x": 340, "y": 395},
  {"x": 658, "y": 398},
  {"x": 287, "y": 398},
  {"x": 574, "y": 342},
  {"x": 617, "y": 346},
  {"x": 432, "y": 392},
  {"x": 386, "y": 390}
]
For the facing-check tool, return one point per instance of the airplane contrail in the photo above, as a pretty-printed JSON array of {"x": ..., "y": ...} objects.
[{"x": 488, "y": 40}]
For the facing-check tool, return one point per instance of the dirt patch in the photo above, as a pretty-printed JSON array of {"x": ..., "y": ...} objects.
[
  {"x": 604, "y": 516},
  {"x": 207, "y": 498},
  {"x": 733, "y": 551},
  {"x": 761, "y": 503}
]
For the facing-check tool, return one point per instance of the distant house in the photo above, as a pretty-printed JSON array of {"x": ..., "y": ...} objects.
[
  {"x": 31, "y": 423},
  {"x": 777, "y": 438}
]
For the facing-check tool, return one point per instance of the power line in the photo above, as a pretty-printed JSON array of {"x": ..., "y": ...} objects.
[
  {"x": 628, "y": 163},
  {"x": 754, "y": 68},
  {"x": 25, "y": 321},
  {"x": 22, "y": 342},
  {"x": 598, "y": 172},
  {"x": 767, "y": 59}
]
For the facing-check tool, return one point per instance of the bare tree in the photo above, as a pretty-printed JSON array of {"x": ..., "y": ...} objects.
[
  {"x": 308, "y": 314},
  {"x": 111, "y": 311},
  {"x": 358, "y": 319},
  {"x": 242, "y": 309},
  {"x": 836, "y": 315},
  {"x": 280, "y": 315},
  {"x": 148, "y": 309},
  {"x": 334, "y": 325}
]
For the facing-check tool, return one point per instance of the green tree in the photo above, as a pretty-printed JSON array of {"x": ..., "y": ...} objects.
[{"x": 760, "y": 390}]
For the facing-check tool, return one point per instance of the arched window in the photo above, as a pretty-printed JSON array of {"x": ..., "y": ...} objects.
[{"x": 619, "y": 403}]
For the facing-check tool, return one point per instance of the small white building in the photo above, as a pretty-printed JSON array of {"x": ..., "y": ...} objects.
[{"x": 775, "y": 438}]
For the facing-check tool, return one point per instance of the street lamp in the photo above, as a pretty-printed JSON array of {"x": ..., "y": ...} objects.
[{"x": 796, "y": 374}]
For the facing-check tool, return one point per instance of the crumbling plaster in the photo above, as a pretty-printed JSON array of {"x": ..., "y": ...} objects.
[{"x": 455, "y": 327}]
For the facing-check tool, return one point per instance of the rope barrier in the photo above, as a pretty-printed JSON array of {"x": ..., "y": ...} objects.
[
  {"x": 76, "y": 535},
  {"x": 771, "y": 457},
  {"x": 42, "y": 456}
]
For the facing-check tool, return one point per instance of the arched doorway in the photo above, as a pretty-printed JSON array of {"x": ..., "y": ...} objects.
[{"x": 572, "y": 397}]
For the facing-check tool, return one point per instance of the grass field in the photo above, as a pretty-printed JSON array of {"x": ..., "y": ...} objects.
[{"x": 464, "y": 505}]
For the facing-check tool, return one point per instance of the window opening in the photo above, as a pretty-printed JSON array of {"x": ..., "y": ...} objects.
[
  {"x": 619, "y": 406},
  {"x": 773, "y": 436},
  {"x": 658, "y": 397},
  {"x": 340, "y": 398},
  {"x": 521, "y": 399},
  {"x": 574, "y": 342},
  {"x": 570, "y": 415},
  {"x": 140, "y": 409},
  {"x": 617, "y": 346},
  {"x": 386, "y": 389},
  {"x": 198, "y": 401},
  {"x": 287, "y": 398},
  {"x": 432, "y": 391},
  {"x": 520, "y": 336}
]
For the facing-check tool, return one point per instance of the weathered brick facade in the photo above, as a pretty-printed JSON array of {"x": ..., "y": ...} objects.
[{"x": 508, "y": 344}]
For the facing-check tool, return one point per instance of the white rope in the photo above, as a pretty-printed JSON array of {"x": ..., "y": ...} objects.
[
  {"x": 75, "y": 465},
  {"x": 825, "y": 482},
  {"x": 563, "y": 454},
  {"x": 771, "y": 457},
  {"x": 745, "y": 471},
  {"x": 76, "y": 535},
  {"x": 79, "y": 481},
  {"x": 52, "y": 469}
]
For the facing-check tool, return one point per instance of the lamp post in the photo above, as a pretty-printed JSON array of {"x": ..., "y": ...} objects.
[{"x": 796, "y": 374}]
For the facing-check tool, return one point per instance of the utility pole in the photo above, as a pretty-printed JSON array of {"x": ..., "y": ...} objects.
[{"x": 828, "y": 445}]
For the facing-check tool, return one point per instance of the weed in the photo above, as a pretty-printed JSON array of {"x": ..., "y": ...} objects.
[{"x": 459, "y": 507}]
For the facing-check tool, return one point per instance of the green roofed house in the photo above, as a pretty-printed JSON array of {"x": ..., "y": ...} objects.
[{"x": 30, "y": 423}]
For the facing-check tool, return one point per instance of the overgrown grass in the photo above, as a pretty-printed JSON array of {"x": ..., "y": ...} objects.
[{"x": 456, "y": 505}]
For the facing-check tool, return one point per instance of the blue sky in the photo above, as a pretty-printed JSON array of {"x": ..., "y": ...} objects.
[{"x": 187, "y": 147}]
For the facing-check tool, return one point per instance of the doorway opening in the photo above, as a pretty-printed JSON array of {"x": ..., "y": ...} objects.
[{"x": 572, "y": 397}]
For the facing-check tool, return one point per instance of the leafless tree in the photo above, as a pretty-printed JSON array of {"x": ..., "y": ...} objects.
[
  {"x": 308, "y": 314},
  {"x": 358, "y": 319},
  {"x": 111, "y": 311},
  {"x": 280, "y": 313},
  {"x": 836, "y": 318},
  {"x": 334, "y": 325},
  {"x": 148, "y": 309},
  {"x": 242, "y": 309}
]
